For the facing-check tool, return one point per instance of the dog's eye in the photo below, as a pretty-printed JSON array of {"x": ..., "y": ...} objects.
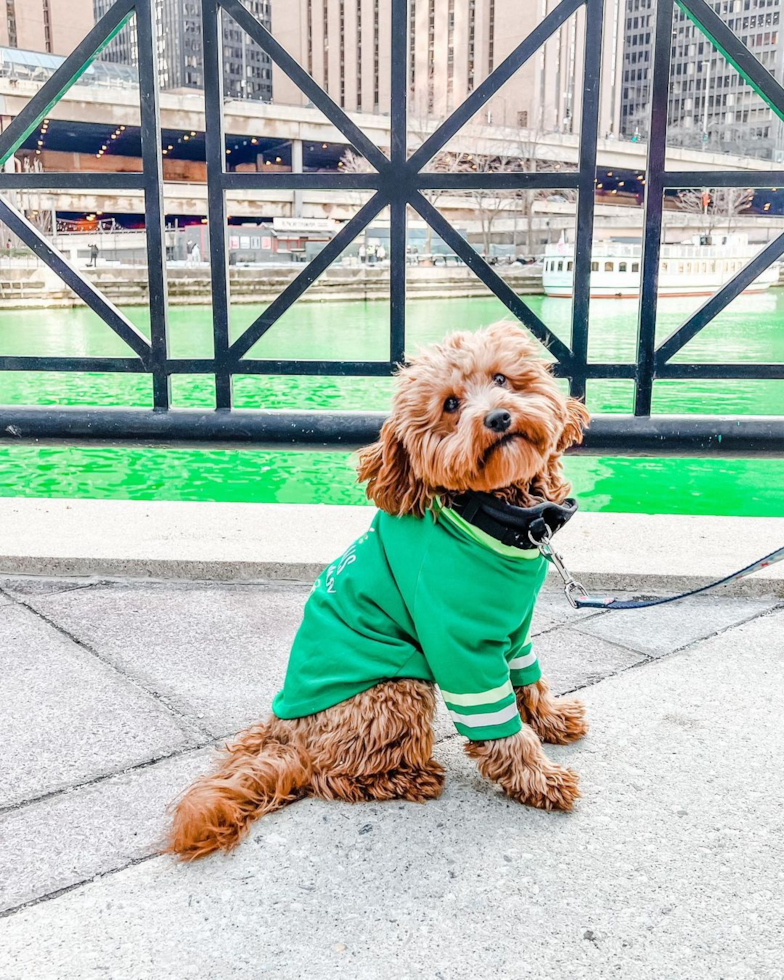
[
  {"x": 499, "y": 379},
  {"x": 451, "y": 404}
]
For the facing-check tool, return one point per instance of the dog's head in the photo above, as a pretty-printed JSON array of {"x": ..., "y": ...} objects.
[{"x": 479, "y": 411}]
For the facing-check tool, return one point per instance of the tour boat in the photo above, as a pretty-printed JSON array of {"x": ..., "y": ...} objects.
[{"x": 696, "y": 267}]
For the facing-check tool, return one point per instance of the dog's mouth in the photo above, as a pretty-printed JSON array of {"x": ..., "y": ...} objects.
[{"x": 498, "y": 444}]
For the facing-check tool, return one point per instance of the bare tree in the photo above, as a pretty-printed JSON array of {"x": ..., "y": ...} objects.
[{"x": 717, "y": 207}]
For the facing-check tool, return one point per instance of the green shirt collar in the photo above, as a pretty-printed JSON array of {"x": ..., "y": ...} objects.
[{"x": 508, "y": 551}]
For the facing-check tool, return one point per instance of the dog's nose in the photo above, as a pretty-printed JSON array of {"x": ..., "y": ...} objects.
[{"x": 498, "y": 420}]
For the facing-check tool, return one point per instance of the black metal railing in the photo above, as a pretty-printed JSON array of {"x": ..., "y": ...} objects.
[{"x": 397, "y": 181}]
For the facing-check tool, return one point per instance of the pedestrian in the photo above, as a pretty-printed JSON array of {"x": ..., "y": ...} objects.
[
  {"x": 93, "y": 256},
  {"x": 189, "y": 252},
  {"x": 371, "y": 254},
  {"x": 196, "y": 254},
  {"x": 362, "y": 253},
  {"x": 382, "y": 253}
]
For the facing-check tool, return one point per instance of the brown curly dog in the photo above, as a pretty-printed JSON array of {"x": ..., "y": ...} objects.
[{"x": 338, "y": 736}]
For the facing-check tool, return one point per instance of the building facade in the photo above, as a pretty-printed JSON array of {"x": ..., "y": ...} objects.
[
  {"x": 247, "y": 71},
  {"x": 710, "y": 105},
  {"x": 53, "y": 26},
  {"x": 453, "y": 46}
]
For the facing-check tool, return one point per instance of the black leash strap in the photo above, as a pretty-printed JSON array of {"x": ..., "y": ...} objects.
[{"x": 580, "y": 598}]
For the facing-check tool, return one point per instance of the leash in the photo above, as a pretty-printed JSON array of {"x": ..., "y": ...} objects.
[{"x": 580, "y": 598}]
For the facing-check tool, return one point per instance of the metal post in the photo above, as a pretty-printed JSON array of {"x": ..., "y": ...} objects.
[
  {"x": 297, "y": 167},
  {"x": 585, "y": 201},
  {"x": 654, "y": 203},
  {"x": 152, "y": 163},
  {"x": 398, "y": 192},
  {"x": 215, "y": 150}
]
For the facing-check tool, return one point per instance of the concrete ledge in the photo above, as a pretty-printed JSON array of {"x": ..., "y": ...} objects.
[{"x": 252, "y": 542}]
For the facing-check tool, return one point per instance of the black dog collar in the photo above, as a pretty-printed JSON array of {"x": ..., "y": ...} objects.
[{"x": 520, "y": 527}]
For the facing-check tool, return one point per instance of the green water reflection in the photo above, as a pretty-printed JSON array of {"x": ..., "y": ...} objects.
[{"x": 751, "y": 329}]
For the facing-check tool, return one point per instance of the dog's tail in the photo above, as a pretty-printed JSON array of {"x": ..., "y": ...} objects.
[{"x": 260, "y": 772}]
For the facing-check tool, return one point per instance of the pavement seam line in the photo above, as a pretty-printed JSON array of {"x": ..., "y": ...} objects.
[
  {"x": 5, "y": 913},
  {"x": 649, "y": 659},
  {"x": 184, "y": 722},
  {"x": 104, "y": 777}
]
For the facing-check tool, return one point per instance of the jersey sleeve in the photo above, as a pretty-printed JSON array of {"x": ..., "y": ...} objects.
[
  {"x": 524, "y": 668},
  {"x": 466, "y": 646}
]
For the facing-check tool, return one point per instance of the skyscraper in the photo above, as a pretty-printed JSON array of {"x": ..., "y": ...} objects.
[
  {"x": 247, "y": 70},
  {"x": 54, "y": 26},
  {"x": 710, "y": 105},
  {"x": 453, "y": 46}
]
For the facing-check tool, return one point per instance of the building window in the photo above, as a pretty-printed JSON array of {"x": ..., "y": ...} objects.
[
  {"x": 342, "y": 19},
  {"x": 491, "y": 38},
  {"x": 359, "y": 55},
  {"x": 375, "y": 57},
  {"x": 47, "y": 26},
  {"x": 431, "y": 44},
  {"x": 522, "y": 119},
  {"x": 471, "y": 42},
  {"x": 450, "y": 56},
  {"x": 411, "y": 44},
  {"x": 10, "y": 11},
  {"x": 325, "y": 15},
  {"x": 310, "y": 37}
]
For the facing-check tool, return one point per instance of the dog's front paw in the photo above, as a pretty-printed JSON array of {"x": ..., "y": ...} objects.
[
  {"x": 562, "y": 722},
  {"x": 548, "y": 787}
]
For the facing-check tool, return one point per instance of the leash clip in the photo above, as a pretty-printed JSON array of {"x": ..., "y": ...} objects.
[{"x": 572, "y": 588}]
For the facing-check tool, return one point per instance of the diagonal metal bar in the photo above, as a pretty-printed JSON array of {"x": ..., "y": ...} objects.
[
  {"x": 85, "y": 290},
  {"x": 66, "y": 75},
  {"x": 305, "y": 83},
  {"x": 736, "y": 52},
  {"x": 467, "y": 109},
  {"x": 491, "y": 279},
  {"x": 654, "y": 204},
  {"x": 728, "y": 292},
  {"x": 589, "y": 126},
  {"x": 154, "y": 220},
  {"x": 309, "y": 274}
]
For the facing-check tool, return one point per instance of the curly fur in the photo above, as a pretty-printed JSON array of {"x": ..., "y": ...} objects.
[{"x": 378, "y": 745}]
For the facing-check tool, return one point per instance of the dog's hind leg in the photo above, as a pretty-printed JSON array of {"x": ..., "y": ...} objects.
[
  {"x": 522, "y": 770},
  {"x": 555, "y": 720},
  {"x": 378, "y": 746}
]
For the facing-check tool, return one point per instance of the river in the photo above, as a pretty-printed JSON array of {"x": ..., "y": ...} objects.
[{"x": 751, "y": 329}]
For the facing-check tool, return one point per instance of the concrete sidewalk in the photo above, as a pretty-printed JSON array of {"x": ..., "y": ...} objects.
[{"x": 114, "y": 693}]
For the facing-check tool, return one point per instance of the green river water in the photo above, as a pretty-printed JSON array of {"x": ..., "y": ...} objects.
[{"x": 751, "y": 329}]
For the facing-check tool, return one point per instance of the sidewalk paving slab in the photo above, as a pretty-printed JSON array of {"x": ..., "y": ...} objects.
[
  {"x": 661, "y": 629},
  {"x": 98, "y": 827},
  {"x": 66, "y": 716},
  {"x": 670, "y": 867},
  {"x": 218, "y": 655},
  {"x": 571, "y": 659}
]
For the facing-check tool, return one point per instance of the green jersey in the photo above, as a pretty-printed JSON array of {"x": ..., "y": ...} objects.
[{"x": 432, "y": 598}]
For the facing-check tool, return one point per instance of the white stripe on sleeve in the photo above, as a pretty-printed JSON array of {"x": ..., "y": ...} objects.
[{"x": 489, "y": 718}]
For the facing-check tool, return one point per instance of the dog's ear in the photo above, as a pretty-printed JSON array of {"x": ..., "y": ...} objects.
[
  {"x": 577, "y": 418},
  {"x": 391, "y": 483}
]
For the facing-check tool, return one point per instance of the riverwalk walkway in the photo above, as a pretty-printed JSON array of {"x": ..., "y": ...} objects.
[{"x": 114, "y": 694}]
